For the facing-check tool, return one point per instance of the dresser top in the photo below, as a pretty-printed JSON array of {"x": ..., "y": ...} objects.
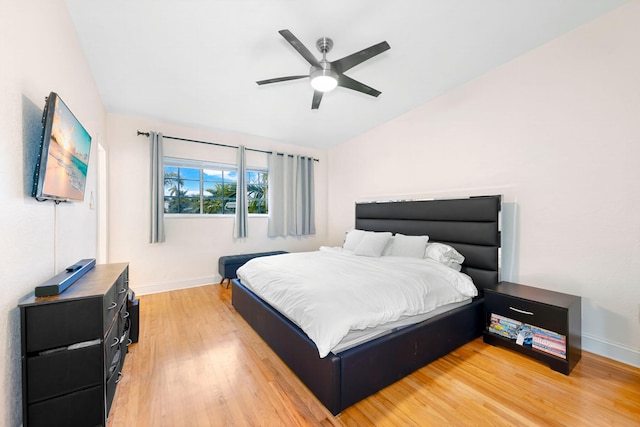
[{"x": 95, "y": 282}]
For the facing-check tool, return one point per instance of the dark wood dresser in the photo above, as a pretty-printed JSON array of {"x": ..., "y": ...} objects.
[{"x": 73, "y": 348}]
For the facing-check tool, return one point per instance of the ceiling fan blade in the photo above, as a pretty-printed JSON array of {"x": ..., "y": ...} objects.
[
  {"x": 317, "y": 97},
  {"x": 281, "y": 79},
  {"x": 297, "y": 45},
  {"x": 350, "y": 61},
  {"x": 349, "y": 83}
]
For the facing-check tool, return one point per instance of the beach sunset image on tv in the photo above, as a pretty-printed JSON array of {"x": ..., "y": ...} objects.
[{"x": 68, "y": 156}]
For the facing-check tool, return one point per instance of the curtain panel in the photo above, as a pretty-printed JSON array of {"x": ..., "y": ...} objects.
[
  {"x": 157, "y": 189},
  {"x": 291, "y": 195},
  {"x": 242, "y": 209}
]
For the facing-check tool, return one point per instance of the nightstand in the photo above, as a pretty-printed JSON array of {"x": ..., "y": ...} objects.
[{"x": 554, "y": 318}]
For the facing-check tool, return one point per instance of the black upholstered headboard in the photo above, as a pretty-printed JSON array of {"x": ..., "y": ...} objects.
[{"x": 470, "y": 225}]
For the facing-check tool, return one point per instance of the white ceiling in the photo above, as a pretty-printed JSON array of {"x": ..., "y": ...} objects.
[{"x": 195, "y": 62}]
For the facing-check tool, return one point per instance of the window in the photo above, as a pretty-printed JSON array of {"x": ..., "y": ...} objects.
[{"x": 193, "y": 187}]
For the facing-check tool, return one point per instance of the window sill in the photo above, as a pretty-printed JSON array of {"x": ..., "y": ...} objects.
[{"x": 203, "y": 216}]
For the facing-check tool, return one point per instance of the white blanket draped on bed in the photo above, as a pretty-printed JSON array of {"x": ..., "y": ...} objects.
[{"x": 330, "y": 292}]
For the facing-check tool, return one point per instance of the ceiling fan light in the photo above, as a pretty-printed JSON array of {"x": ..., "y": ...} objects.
[{"x": 324, "y": 80}]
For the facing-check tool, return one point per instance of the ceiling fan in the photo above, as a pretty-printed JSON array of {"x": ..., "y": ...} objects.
[{"x": 326, "y": 75}]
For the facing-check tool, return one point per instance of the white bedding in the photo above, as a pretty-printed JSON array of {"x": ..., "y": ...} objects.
[{"x": 331, "y": 292}]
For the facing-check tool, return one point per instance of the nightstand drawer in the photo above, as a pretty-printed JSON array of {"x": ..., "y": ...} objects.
[{"x": 527, "y": 311}]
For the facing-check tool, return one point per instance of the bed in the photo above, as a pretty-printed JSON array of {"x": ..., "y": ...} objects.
[{"x": 340, "y": 380}]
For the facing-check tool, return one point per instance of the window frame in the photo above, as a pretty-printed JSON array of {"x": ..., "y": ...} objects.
[{"x": 201, "y": 165}]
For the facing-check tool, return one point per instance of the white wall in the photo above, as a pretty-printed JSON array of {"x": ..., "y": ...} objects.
[
  {"x": 189, "y": 257},
  {"x": 40, "y": 53},
  {"x": 557, "y": 132}
]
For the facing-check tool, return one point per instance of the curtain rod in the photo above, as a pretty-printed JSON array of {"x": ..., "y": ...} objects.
[{"x": 214, "y": 143}]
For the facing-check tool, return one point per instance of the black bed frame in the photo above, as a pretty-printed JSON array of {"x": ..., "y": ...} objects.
[{"x": 470, "y": 225}]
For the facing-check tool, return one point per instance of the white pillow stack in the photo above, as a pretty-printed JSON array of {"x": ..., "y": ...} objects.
[{"x": 376, "y": 244}]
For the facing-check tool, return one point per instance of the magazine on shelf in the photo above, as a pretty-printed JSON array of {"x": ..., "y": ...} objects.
[
  {"x": 504, "y": 326},
  {"x": 548, "y": 334},
  {"x": 550, "y": 342},
  {"x": 552, "y": 351}
]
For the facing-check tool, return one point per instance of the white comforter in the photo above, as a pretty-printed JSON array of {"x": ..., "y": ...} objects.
[{"x": 329, "y": 292}]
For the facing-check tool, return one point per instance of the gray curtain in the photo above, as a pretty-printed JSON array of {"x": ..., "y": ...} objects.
[
  {"x": 291, "y": 195},
  {"x": 157, "y": 189},
  {"x": 240, "y": 229}
]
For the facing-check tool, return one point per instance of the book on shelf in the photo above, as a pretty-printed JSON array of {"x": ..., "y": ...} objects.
[
  {"x": 504, "y": 326},
  {"x": 547, "y": 334},
  {"x": 558, "y": 353},
  {"x": 550, "y": 342}
]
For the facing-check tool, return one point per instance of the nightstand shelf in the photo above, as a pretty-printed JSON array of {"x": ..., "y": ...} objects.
[{"x": 553, "y": 311}]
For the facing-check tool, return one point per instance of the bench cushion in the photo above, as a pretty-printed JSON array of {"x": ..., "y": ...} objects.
[{"x": 228, "y": 265}]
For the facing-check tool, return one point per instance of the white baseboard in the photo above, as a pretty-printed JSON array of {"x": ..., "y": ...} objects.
[
  {"x": 611, "y": 350},
  {"x": 165, "y": 287}
]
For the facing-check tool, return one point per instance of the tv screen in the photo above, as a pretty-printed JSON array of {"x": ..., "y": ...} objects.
[{"x": 61, "y": 170}]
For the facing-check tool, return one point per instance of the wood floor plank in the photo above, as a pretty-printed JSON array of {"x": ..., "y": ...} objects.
[{"x": 198, "y": 363}]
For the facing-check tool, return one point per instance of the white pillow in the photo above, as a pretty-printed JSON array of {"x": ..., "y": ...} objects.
[
  {"x": 443, "y": 253},
  {"x": 372, "y": 244},
  {"x": 353, "y": 238},
  {"x": 409, "y": 246}
]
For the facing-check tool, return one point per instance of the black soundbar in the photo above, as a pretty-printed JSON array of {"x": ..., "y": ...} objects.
[{"x": 57, "y": 284}]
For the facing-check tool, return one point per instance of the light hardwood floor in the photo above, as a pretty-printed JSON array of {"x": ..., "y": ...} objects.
[{"x": 199, "y": 364}]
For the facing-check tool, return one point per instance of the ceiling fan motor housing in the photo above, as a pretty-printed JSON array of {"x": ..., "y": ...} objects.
[{"x": 324, "y": 45}]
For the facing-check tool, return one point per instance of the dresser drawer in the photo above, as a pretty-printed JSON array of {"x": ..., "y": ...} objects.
[
  {"x": 527, "y": 311},
  {"x": 77, "y": 409},
  {"x": 50, "y": 326},
  {"x": 64, "y": 371}
]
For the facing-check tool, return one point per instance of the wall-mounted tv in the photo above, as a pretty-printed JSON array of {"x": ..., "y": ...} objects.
[{"x": 63, "y": 160}]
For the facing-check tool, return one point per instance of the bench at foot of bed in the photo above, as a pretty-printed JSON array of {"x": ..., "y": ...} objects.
[{"x": 228, "y": 265}]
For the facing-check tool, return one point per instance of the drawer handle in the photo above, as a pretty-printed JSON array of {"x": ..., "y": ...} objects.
[
  {"x": 119, "y": 377},
  {"x": 125, "y": 315},
  {"x": 112, "y": 306},
  {"x": 129, "y": 342},
  {"x": 116, "y": 341},
  {"x": 122, "y": 291},
  {"x": 521, "y": 311}
]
